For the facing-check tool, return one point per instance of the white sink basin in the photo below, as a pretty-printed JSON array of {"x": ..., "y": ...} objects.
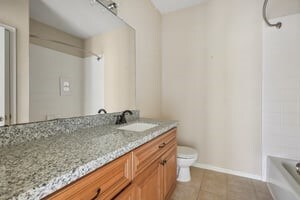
[{"x": 138, "y": 127}]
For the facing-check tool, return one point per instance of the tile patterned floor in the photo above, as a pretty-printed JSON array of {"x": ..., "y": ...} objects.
[{"x": 210, "y": 185}]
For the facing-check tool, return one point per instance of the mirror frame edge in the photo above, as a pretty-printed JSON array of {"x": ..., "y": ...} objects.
[{"x": 12, "y": 75}]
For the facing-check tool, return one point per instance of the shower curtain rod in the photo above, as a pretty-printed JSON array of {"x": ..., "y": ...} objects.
[
  {"x": 66, "y": 44},
  {"x": 277, "y": 25}
]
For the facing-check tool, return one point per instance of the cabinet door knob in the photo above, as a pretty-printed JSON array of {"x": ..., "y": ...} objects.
[
  {"x": 162, "y": 145},
  {"x": 163, "y": 162},
  {"x": 1, "y": 119},
  {"x": 97, "y": 194}
]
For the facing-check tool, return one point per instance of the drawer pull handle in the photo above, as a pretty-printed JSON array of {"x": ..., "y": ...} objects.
[
  {"x": 96, "y": 196},
  {"x": 162, "y": 145}
]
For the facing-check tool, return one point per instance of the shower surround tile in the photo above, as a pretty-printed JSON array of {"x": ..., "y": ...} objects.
[{"x": 281, "y": 91}]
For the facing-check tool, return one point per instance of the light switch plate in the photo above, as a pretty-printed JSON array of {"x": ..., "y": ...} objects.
[{"x": 65, "y": 86}]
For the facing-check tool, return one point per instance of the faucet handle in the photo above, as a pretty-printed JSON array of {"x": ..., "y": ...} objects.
[
  {"x": 119, "y": 119},
  {"x": 298, "y": 167},
  {"x": 102, "y": 110}
]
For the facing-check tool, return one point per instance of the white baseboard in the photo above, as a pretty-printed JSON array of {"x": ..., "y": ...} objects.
[{"x": 227, "y": 171}]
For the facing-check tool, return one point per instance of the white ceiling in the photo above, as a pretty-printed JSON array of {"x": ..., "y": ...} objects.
[
  {"x": 76, "y": 17},
  {"x": 165, "y": 6}
]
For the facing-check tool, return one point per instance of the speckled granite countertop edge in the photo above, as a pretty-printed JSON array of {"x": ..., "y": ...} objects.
[{"x": 57, "y": 183}]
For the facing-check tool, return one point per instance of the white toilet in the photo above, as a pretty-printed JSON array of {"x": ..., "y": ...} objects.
[{"x": 186, "y": 156}]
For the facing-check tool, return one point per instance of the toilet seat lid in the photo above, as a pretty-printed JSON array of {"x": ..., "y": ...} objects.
[{"x": 186, "y": 152}]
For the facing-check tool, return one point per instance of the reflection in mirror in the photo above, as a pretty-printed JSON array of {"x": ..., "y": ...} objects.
[
  {"x": 82, "y": 59},
  {"x": 7, "y": 75}
]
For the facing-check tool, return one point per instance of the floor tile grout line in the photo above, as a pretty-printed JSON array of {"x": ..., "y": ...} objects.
[
  {"x": 265, "y": 192},
  {"x": 199, "y": 190},
  {"x": 227, "y": 183},
  {"x": 255, "y": 192}
]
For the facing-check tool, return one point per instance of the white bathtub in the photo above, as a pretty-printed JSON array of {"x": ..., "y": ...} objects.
[{"x": 283, "y": 180}]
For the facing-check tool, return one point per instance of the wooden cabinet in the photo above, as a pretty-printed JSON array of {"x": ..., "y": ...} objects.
[
  {"x": 146, "y": 173},
  {"x": 154, "y": 168},
  {"x": 104, "y": 183},
  {"x": 169, "y": 172},
  {"x": 149, "y": 183}
]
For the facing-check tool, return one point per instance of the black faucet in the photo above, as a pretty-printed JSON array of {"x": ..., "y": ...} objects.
[
  {"x": 102, "y": 110},
  {"x": 121, "y": 119}
]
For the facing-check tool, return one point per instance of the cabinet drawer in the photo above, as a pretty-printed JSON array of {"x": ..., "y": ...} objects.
[
  {"x": 104, "y": 183},
  {"x": 148, "y": 153}
]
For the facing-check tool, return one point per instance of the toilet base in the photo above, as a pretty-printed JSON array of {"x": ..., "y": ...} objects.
[{"x": 183, "y": 174}]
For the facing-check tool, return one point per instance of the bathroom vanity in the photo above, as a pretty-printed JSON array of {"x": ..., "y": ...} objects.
[
  {"x": 97, "y": 162},
  {"x": 148, "y": 172}
]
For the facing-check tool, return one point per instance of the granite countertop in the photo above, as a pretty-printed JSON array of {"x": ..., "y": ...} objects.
[{"x": 35, "y": 169}]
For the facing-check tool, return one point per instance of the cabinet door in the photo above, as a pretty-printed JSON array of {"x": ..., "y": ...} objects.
[
  {"x": 128, "y": 194},
  {"x": 169, "y": 172},
  {"x": 149, "y": 183}
]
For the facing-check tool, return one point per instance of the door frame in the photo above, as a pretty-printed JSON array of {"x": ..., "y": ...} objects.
[{"x": 12, "y": 74}]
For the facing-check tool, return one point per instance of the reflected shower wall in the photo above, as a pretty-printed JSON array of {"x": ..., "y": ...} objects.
[{"x": 93, "y": 85}]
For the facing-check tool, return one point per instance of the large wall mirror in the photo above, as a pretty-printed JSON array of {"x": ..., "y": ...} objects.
[{"x": 82, "y": 59}]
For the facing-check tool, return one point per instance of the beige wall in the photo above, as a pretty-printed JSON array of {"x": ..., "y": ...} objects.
[
  {"x": 211, "y": 81},
  {"x": 16, "y": 13},
  {"x": 146, "y": 20}
]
